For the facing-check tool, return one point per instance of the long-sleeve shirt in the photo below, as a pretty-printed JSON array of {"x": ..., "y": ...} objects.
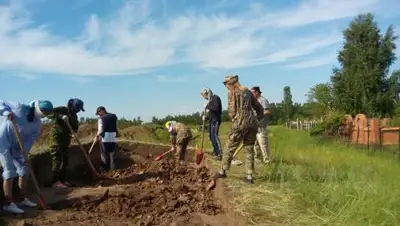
[
  {"x": 215, "y": 108},
  {"x": 29, "y": 131}
]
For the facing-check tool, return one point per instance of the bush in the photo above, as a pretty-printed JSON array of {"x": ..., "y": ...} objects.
[{"x": 332, "y": 125}]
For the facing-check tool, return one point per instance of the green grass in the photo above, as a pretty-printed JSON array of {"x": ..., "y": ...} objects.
[{"x": 314, "y": 183}]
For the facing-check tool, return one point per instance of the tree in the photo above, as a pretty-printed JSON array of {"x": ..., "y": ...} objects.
[
  {"x": 287, "y": 104},
  {"x": 364, "y": 60},
  {"x": 320, "y": 99}
]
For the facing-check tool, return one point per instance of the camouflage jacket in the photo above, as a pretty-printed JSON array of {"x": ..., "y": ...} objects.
[
  {"x": 181, "y": 132},
  {"x": 241, "y": 103},
  {"x": 59, "y": 126}
]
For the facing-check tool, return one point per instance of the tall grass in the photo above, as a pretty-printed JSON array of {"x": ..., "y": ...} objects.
[{"x": 312, "y": 183}]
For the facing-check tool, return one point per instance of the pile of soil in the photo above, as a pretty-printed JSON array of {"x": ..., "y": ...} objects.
[{"x": 165, "y": 192}]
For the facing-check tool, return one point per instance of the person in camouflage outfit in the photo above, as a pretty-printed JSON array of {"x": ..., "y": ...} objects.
[
  {"x": 60, "y": 139},
  {"x": 180, "y": 138},
  {"x": 241, "y": 103}
]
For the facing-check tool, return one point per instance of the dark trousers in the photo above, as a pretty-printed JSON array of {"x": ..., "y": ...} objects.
[
  {"x": 213, "y": 130},
  {"x": 108, "y": 155}
]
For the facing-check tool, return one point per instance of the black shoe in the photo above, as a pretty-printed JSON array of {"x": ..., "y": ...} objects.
[
  {"x": 219, "y": 176},
  {"x": 248, "y": 181}
]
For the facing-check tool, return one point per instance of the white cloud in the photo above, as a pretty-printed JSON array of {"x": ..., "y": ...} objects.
[
  {"x": 325, "y": 59},
  {"x": 313, "y": 11},
  {"x": 171, "y": 79},
  {"x": 131, "y": 42}
]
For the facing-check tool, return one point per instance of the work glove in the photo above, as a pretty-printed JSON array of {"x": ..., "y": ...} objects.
[
  {"x": 173, "y": 149},
  {"x": 65, "y": 119},
  {"x": 203, "y": 117}
]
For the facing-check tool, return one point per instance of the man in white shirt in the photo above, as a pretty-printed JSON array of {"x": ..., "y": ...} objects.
[
  {"x": 262, "y": 134},
  {"x": 107, "y": 136}
]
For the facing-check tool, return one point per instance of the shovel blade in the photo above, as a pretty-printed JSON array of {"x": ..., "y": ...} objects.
[{"x": 199, "y": 158}]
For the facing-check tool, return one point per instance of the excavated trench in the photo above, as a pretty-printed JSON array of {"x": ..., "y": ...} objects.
[{"x": 140, "y": 191}]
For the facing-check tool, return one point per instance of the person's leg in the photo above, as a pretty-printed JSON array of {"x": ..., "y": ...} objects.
[
  {"x": 234, "y": 139},
  {"x": 249, "y": 139},
  {"x": 257, "y": 147},
  {"x": 264, "y": 146},
  {"x": 9, "y": 173},
  {"x": 109, "y": 151},
  {"x": 211, "y": 135},
  {"x": 65, "y": 161},
  {"x": 57, "y": 159},
  {"x": 218, "y": 141},
  {"x": 23, "y": 173},
  {"x": 105, "y": 157}
]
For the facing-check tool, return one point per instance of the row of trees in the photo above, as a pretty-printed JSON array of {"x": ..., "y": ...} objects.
[{"x": 362, "y": 82}]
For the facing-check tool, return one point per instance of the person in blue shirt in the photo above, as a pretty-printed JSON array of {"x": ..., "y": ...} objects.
[{"x": 28, "y": 120}]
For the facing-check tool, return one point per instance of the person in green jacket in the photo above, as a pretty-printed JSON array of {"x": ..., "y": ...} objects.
[{"x": 60, "y": 139}]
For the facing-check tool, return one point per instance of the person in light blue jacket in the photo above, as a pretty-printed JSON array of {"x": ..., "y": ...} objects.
[{"x": 28, "y": 120}]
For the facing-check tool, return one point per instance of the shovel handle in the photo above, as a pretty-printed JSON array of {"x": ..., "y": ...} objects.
[
  {"x": 83, "y": 150},
  {"x": 24, "y": 151}
]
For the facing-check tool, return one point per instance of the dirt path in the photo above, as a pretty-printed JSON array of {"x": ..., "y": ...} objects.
[{"x": 146, "y": 193}]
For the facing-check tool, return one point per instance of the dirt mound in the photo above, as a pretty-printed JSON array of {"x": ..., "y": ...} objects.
[
  {"x": 173, "y": 190},
  {"x": 148, "y": 193}
]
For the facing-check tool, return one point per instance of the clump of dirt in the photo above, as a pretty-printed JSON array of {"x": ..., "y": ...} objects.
[{"x": 155, "y": 193}]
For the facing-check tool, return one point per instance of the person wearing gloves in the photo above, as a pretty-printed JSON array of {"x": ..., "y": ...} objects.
[
  {"x": 241, "y": 103},
  {"x": 107, "y": 136},
  {"x": 60, "y": 139},
  {"x": 180, "y": 138},
  {"x": 213, "y": 110},
  {"x": 28, "y": 120},
  {"x": 262, "y": 134}
]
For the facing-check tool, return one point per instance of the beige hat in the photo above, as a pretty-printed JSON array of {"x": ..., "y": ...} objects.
[{"x": 230, "y": 79}]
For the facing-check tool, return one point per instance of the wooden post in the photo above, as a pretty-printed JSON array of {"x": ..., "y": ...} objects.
[
  {"x": 380, "y": 138},
  {"x": 398, "y": 143}
]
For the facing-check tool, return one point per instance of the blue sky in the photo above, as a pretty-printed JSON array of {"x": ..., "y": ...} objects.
[{"x": 145, "y": 58}]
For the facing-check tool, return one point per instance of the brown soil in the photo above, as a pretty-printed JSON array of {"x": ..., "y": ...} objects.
[{"x": 148, "y": 192}]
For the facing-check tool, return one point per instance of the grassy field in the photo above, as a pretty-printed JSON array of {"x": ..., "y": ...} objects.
[
  {"x": 315, "y": 183},
  {"x": 311, "y": 182}
]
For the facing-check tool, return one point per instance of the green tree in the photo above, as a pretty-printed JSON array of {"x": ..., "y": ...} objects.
[
  {"x": 359, "y": 83},
  {"x": 287, "y": 104},
  {"x": 320, "y": 99}
]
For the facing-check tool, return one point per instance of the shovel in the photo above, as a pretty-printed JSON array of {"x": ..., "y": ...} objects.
[
  {"x": 200, "y": 153},
  {"x": 95, "y": 173},
  {"x": 159, "y": 157},
  {"x": 91, "y": 147},
  {"x": 24, "y": 151},
  {"x": 213, "y": 182}
]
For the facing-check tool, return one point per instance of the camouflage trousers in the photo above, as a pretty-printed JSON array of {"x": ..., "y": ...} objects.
[
  {"x": 235, "y": 137},
  {"x": 181, "y": 147},
  {"x": 59, "y": 154},
  {"x": 262, "y": 145}
]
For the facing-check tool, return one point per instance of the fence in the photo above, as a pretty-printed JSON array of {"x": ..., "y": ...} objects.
[
  {"x": 302, "y": 124},
  {"x": 361, "y": 130}
]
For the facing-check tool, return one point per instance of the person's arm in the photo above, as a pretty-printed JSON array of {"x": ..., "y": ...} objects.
[
  {"x": 231, "y": 105},
  {"x": 99, "y": 127},
  {"x": 257, "y": 107},
  {"x": 7, "y": 107},
  {"x": 266, "y": 106},
  {"x": 59, "y": 113},
  {"x": 74, "y": 122}
]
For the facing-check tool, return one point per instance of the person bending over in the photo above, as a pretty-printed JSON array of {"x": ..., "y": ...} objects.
[
  {"x": 28, "y": 120},
  {"x": 180, "y": 138}
]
